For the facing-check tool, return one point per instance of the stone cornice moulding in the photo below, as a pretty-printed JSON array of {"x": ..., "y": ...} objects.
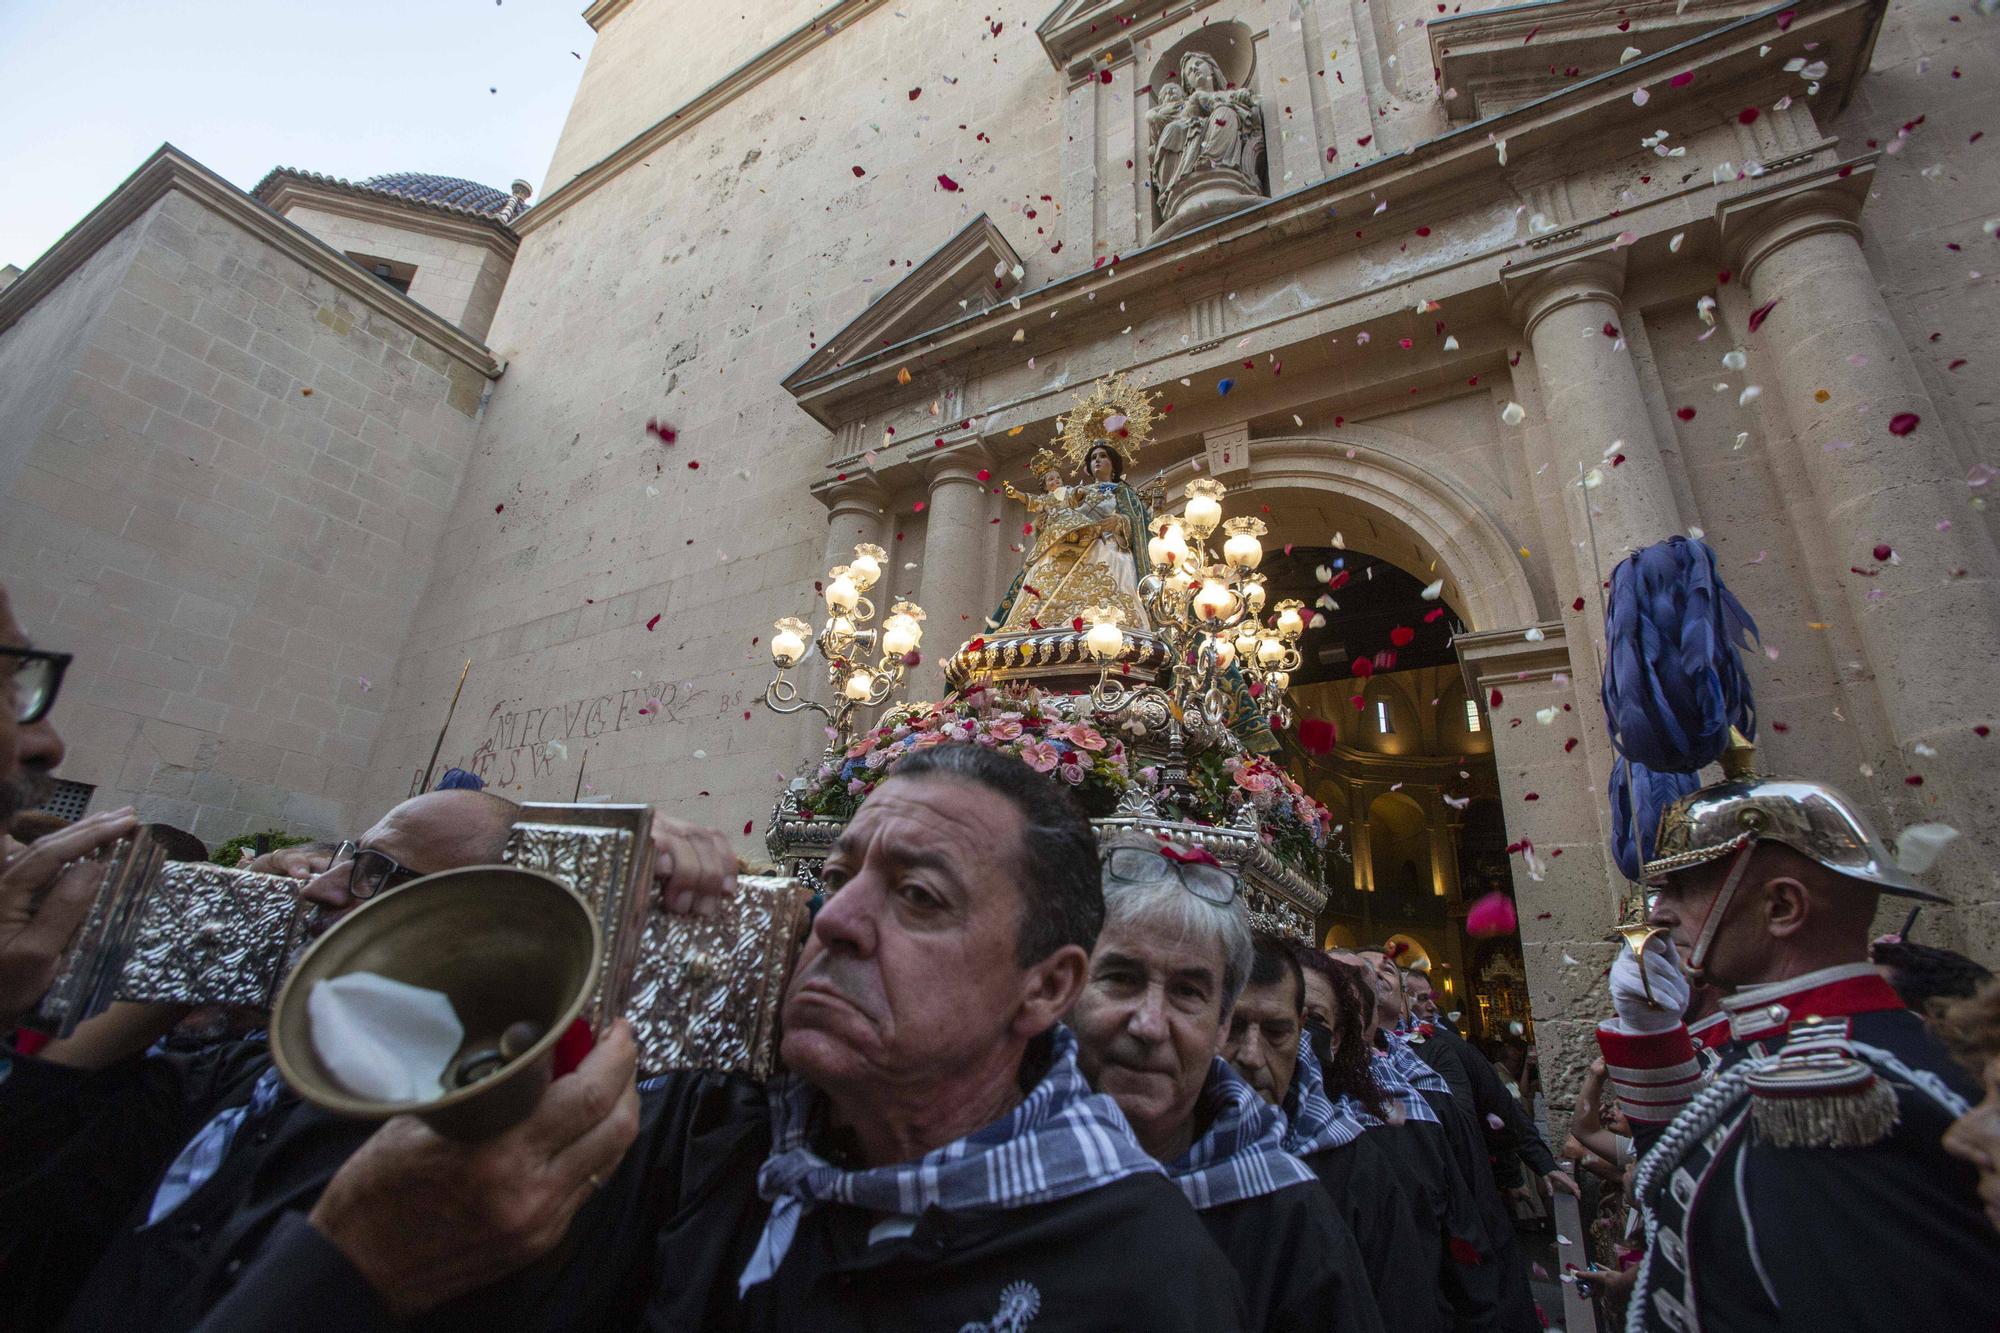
[
  {"x": 1078, "y": 32},
  {"x": 821, "y": 28},
  {"x": 492, "y": 236},
  {"x": 601, "y": 12},
  {"x": 1492, "y": 659},
  {"x": 169, "y": 169},
  {"x": 1497, "y": 58},
  {"x": 1754, "y": 224},
  {"x": 1458, "y": 161},
  {"x": 978, "y": 262}
]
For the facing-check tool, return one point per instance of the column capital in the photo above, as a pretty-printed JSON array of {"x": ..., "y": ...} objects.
[
  {"x": 960, "y": 464},
  {"x": 854, "y": 495},
  {"x": 1502, "y": 657},
  {"x": 1756, "y": 225},
  {"x": 1593, "y": 273}
]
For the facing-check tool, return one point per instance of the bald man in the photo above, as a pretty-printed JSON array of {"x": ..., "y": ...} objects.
[{"x": 154, "y": 1168}]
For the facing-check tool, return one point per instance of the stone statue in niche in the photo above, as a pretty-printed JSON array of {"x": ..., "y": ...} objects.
[{"x": 1207, "y": 148}]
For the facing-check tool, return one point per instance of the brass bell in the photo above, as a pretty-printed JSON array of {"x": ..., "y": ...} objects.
[{"x": 516, "y": 952}]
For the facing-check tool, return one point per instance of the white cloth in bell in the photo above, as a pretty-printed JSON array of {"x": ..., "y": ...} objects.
[{"x": 383, "y": 1039}]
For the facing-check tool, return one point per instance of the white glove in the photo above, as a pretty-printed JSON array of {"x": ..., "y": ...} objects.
[{"x": 1628, "y": 989}]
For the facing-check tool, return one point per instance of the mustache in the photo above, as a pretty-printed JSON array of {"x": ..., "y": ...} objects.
[{"x": 1127, "y": 1052}]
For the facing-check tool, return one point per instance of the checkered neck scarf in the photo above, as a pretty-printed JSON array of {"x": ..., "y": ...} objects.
[
  {"x": 1319, "y": 1122},
  {"x": 1062, "y": 1140},
  {"x": 1420, "y": 1074},
  {"x": 1242, "y": 1156},
  {"x": 1396, "y": 1086}
]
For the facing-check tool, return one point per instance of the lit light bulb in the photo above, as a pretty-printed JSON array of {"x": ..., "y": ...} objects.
[
  {"x": 1270, "y": 652},
  {"x": 841, "y": 592},
  {"x": 1204, "y": 506},
  {"x": 899, "y": 635},
  {"x": 1243, "y": 550},
  {"x": 1253, "y": 596},
  {"x": 1246, "y": 643},
  {"x": 788, "y": 644},
  {"x": 1105, "y": 639},
  {"x": 1291, "y": 623},
  {"x": 860, "y": 685},
  {"x": 1225, "y": 653},
  {"x": 867, "y": 565},
  {"x": 1215, "y": 601}
]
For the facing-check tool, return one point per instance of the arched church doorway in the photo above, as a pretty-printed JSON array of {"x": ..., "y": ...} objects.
[{"x": 1399, "y": 561}]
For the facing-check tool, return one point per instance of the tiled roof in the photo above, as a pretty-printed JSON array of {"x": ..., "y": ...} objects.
[{"x": 447, "y": 194}]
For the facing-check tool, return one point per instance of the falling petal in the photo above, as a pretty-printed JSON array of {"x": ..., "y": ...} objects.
[
  {"x": 1513, "y": 414},
  {"x": 1918, "y": 848}
]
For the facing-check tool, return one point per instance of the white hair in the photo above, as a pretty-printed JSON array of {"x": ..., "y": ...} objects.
[{"x": 1168, "y": 904}]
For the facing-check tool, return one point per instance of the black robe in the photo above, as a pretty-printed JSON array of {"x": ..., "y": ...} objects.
[
  {"x": 1297, "y": 1261},
  {"x": 661, "y": 1246},
  {"x": 1360, "y": 1179}
]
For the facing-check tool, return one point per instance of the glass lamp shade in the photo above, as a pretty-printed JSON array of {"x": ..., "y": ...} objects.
[
  {"x": 1215, "y": 601},
  {"x": 842, "y": 594},
  {"x": 1105, "y": 640},
  {"x": 900, "y": 635},
  {"x": 1254, "y": 593},
  {"x": 1243, "y": 550},
  {"x": 1204, "y": 506},
  {"x": 1168, "y": 546},
  {"x": 839, "y": 627},
  {"x": 859, "y": 686},
  {"x": 1179, "y": 582},
  {"x": 1291, "y": 621},
  {"x": 866, "y": 567},
  {"x": 1246, "y": 643},
  {"x": 1225, "y": 653},
  {"x": 788, "y": 643},
  {"x": 1270, "y": 652},
  {"x": 1278, "y": 680}
]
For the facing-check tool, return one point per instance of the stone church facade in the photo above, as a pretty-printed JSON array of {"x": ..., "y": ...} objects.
[{"x": 1492, "y": 294}]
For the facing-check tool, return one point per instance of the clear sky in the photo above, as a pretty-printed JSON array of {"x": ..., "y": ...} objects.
[{"x": 353, "y": 88}]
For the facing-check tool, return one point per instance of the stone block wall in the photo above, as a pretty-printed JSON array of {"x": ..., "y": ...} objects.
[
  {"x": 222, "y": 481},
  {"x": 456, "y": 279}
]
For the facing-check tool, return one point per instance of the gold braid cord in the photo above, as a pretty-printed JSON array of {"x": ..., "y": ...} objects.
[{"x": 1109, "y": 398}]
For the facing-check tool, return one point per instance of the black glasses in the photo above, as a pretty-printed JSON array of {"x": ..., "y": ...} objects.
[
  {"x": 1143, "y": 865},
  {"x": 37, "y": 677},
  {"x": 370, "y": 872}
]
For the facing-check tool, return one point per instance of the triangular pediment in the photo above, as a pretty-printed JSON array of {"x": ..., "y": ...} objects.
[
  {"x": 1078, "y": 31},
  {"x": 971, "y": 272},
  {"x": 1499, "y": 59}
]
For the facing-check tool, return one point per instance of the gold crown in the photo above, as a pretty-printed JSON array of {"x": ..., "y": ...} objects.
[
  {"x": 1043, "y": 463},
  {"x": 1111, "y": 399}
]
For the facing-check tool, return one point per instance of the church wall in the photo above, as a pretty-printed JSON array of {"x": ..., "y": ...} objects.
[
  {"x": 685, "y": 291},
  {"x": 226, "y": 515},
  {"x": 654, "y": 55},
  {"x": 456, "y": 279}
]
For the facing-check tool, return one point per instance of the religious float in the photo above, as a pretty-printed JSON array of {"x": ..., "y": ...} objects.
[{"x": 1132, "y": 658}]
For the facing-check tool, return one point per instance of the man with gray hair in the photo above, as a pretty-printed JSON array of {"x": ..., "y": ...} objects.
[{"x": 1172, "y": 958}]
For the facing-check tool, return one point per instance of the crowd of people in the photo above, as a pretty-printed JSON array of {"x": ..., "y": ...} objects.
[{"x": 1031, "y": 1080}]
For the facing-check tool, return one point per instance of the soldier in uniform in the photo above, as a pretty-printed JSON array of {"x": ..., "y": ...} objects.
[{"x": 1795, "y": 1180}]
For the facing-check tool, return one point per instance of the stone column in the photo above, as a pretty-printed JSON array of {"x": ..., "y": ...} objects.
[
  {"x": 1550, "y": 799},
  {"x": 1927, "y": 622},
  {"x": 1592, "y": 398},
  {"x": 956, "y": 594}
]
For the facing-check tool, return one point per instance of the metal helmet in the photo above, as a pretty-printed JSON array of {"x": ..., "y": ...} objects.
[{"x": 1813, "y": 819}]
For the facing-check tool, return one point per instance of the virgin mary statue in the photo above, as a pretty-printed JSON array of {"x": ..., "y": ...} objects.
[{"x": 1089, "y": 548}]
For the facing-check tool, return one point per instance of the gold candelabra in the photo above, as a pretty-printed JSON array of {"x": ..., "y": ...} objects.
[
  {"x": 1207, "y": 609},
  {"x": 846, "y": 643}
]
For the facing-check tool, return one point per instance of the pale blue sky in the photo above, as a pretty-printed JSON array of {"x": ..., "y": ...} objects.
[{"x": 89, "y": 88}]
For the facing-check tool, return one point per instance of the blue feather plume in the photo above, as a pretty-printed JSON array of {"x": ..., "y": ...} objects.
[
  {"x": 457, "y": 779},
  {"x": 1632, "y": 847},
  {"x": 1673, "y": 681}
]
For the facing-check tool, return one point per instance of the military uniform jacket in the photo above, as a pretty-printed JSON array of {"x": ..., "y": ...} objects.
[
  {"x": 1746, "y": 1234},
  {"x": 662, "y": 1245}
]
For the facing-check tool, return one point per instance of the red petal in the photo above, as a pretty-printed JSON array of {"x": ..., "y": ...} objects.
[
  {"x": 1903, "y": 423},
  {"x": 651, "y": 623},
  {"x": 1402, "y": 635},
  {"x": 1363, "y": 668},
  {"x": 947, "y": 182},
  {"x": 1682, "y": 79},
  {"x": 1747, "y": 116},
  {"x": 1493, "y": 699},
  {"x": 1316, "y": 736},
  {"x": 1684, "y": 413},
  {"x": 1762, "y": 313}
]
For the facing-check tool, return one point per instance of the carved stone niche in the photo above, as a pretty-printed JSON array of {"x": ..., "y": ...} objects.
[{"x": 1205, "y": 131}]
